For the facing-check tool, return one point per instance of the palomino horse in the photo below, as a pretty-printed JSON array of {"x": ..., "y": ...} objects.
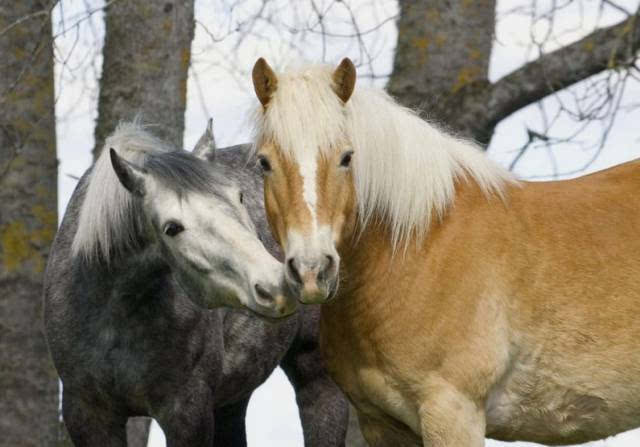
[
  {"x": 131, "y": 277},
  {"x": 471, "y": 304}
]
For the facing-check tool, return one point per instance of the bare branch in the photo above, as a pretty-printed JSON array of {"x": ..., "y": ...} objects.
[
  {"x": 616, "y": 6},
  {"x": 42, "y": 13},
  {"x": 531, "y": 137},
  {"x": 606, "y": 48}
]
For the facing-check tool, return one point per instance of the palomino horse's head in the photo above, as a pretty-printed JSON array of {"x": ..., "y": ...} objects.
[
  {"x": 198, "y": 218},
  {"x": 309, "y": 190}
]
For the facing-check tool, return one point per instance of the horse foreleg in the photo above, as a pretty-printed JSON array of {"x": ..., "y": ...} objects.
[
  {"x": 379, "y": 433},
  {"x": 324, "y": 410},
  {"x": 230, "y": 425},
  {"x": 90, "y": 425},
  {"x": 449, "y": 418},
  {"x": 188, "y": 419}
]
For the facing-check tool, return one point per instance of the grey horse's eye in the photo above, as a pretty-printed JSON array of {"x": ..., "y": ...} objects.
[
  {"x": 241, "y": 197},
  {"x": 172, "y": 228}
]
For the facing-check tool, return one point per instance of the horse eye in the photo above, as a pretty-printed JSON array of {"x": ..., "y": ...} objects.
[
  {"x": 241, "y": 197},
  {"x": 172, "y": 228},
  {"x": 345, "y": 161},
  {"x": 264, "y": 163}
]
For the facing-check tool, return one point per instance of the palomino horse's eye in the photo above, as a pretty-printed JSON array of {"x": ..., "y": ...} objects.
[
  {"x": 345, "y": 161},
  {"x": 264, "y": 163},
  {"x": 172, "y": 228}
]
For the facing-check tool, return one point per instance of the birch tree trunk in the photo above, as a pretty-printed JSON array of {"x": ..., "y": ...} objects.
[{"x": 28, "y": 222}]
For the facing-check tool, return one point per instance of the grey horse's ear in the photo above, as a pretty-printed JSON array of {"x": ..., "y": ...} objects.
[
  {"x": 205, "y": 148},
  {"x": 132, "y": 177}
]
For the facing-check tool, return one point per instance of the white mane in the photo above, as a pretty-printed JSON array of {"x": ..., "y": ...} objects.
[
  {"x": 405, "y": 169},
  {"x": 107, "y": 220}
]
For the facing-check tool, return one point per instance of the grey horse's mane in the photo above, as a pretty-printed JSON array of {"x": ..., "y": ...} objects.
[{"x": 110, "y": 219}]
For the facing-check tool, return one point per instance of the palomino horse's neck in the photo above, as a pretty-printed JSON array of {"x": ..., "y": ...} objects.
[
  {"x": 369, "y": 261},
  {"x": 366, "y": 259}
]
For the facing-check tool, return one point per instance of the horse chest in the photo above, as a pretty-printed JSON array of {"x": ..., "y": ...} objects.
[
  {"x": 381, "y": 395},
  {"x": 252, "y": 350}
]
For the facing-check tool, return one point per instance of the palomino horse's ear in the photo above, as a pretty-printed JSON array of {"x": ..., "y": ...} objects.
[
  {"x": 265, "y": 81},
  {"x": 344, "y": 79},
  {"x": 205, "y": 148},
  {"x": 131, "y": 177}
]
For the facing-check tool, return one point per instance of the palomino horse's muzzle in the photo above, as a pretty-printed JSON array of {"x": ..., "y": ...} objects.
[{"x": 312, "y": 280}]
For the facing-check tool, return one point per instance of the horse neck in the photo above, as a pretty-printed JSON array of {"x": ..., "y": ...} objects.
[
  {"x": 144, "y": 268},
  {"x": 366, "y": 259},
  {"x": 132, "y": 277},
  {"x": 369, "y": 261}
]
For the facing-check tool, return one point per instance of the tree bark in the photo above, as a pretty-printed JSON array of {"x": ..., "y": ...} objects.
[
  {"x": 28, "y": 221},
  {"x": 442, "y": 55},
  {"x": 147, "y": 51}
]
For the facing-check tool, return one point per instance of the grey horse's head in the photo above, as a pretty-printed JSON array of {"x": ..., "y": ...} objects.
[{"x": 196, "y": 214}]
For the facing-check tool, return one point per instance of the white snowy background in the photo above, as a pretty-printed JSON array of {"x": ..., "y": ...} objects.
[{"x": 215, "y": 90}]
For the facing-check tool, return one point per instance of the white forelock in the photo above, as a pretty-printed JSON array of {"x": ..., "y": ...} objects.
[
  {"x": 405, "y": 168},
  {"x": 106, "y": 220}
]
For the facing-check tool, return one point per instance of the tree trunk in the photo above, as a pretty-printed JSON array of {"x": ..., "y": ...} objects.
[
  {"x": 28, "y": 221},
  {"x": 147, "y": 51},
  {"x": 441, "y": 58}
]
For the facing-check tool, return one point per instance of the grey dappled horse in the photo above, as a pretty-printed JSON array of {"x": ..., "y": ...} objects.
[{"x": 132, "y": 289}]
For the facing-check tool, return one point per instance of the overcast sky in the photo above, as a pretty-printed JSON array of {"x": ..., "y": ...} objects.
[{"x": 216, "y": 91}]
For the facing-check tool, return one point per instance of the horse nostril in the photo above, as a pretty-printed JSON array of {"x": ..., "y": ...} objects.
[
  {"x": 324, "y": 272},
  {"x": 263, "y": 293},
  {"x": 329, "y": 262},
  {"x": 293, "y": 270}
]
